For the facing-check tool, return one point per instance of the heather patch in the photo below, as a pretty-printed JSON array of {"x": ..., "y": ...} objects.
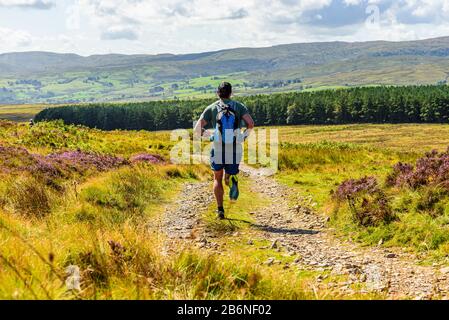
[
  {"x": 56, "y": 165},
  {"x": 368, "y": 203},
  {"x": 411, "y": 209},
  {"x": 146, "y": 158},
  {"x": 352, "y": 188},
  {"x": 13, "y": 158},
  {"x": 82, "y": 161},
  {"x": 432, "y": 169}
]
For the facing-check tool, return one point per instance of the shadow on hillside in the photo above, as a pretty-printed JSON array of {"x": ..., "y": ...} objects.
[
  {"x": 276, "y": 230},
  {"x": 239, "y": 220}
]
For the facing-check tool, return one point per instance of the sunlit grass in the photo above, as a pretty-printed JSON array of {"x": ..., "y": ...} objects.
[
  {"x": 100, "y": 222},
  {"x": 316, "y": 159}
]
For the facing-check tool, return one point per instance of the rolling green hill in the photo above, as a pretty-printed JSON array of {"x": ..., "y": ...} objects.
[{"x": 42, "y": 77}]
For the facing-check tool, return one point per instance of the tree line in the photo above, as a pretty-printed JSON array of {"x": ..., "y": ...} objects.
[{"x": 383, "y": 104}]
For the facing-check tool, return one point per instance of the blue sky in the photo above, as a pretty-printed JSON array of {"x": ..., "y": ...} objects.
[{"x": 183, "y": 26}]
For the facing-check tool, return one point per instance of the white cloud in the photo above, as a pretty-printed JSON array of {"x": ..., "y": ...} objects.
[
  {"x": 34, "y": 4},
  {"x": 118, "y": 33},
  {"x": 352, "y": 2},
  {"x": 198, "y": 25},
  {"x": 203, "y": 25},
  {"x": 16, "y": 40},
  {"x": 180, "y": 26}
]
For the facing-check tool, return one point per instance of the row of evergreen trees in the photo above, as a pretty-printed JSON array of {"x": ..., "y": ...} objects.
[{"x": 413, "y": 104}]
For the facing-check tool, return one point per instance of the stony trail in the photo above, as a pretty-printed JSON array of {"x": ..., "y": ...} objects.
[
  {"x": 182, "y": 218},
  {"x": 301, "y": 232}
]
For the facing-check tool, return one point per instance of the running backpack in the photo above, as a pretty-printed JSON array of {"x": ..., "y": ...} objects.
[{"x": 227, "y": 123}]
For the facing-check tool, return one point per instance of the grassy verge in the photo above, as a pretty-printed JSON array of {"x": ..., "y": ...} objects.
[
  {"x": 74, "y": 205},
  {"x": 331, "y": 155},
  {"x": 101, "y": 230},
  {"x": 99, "y": 227}
]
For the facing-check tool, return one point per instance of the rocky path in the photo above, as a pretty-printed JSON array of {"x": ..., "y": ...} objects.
[
  {"x": 182, "y": 218},
  {"x": 299, "y": 231},
  {"x": 303, "y": 233}
]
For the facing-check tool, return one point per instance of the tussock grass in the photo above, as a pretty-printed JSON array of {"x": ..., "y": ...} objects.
[
  {"x": 128, "y": 265},
  {"x": 29, "y": 196},
  {"x": 298, "y": 156},
  {"x": 99, "y": 223},
  {"x": 317, "y": 159}
]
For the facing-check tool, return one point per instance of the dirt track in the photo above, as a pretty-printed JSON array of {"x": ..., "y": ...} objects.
[{"x": 301, "y": 232}]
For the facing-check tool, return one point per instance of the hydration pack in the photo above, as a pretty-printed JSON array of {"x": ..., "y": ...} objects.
[{"x": 227, "y": 123}]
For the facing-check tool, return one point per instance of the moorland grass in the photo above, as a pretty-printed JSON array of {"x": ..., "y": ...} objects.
[
  {"x": 317, "y": 159},
  {"x": 97, "y": 222}
]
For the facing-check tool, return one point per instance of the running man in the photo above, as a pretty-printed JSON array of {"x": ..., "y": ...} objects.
[{"x": 226, "y": 117}]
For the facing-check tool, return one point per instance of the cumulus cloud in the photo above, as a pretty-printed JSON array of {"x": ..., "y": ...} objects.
[
  {"x": 200, "y": 25},
  {"x": 254, "y": 15},
  {"x": 15, "y": 39},
  {"x": 238, "y": 14},
  {"x": 32, "y": 4},
  {"x": 119, "y": 33},
  {"x": 154, "y": 26}
]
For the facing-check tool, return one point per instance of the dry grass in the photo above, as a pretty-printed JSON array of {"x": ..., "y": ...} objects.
[
  {"x": 97, "y": 222},
  {"x": 317, "y": 159},
  {"x": 417, "y": 138}
]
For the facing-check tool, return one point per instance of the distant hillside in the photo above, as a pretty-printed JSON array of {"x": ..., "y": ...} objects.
[{"x": 44, "y": 77}]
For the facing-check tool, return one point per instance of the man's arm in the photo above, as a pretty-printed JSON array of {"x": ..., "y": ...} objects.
[
  {"x": 198, "y": 130},
  {"x": 203, "y": 121},
  {"x": 249, "y": 124}
]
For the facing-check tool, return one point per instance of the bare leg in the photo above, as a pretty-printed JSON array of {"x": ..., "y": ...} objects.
[
  {"x": 227, "y": 176},
  {"x": 218, "y": 187}
]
